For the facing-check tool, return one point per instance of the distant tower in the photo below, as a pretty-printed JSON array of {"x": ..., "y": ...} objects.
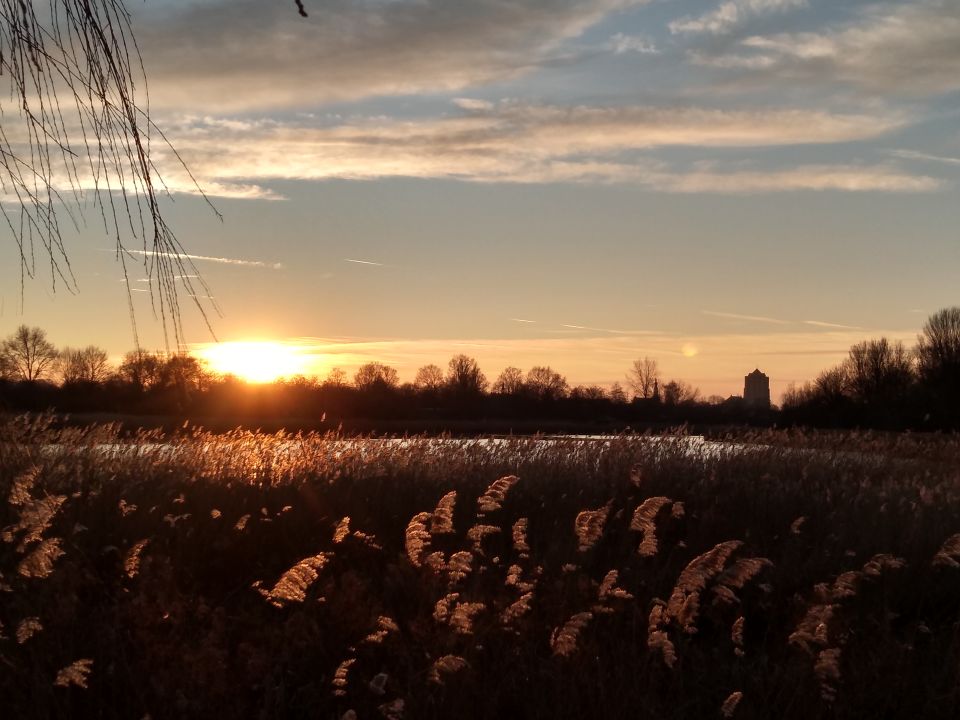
[{"x": 756, "y": 390}]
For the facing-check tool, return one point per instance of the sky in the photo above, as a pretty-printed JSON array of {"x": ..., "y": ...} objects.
[{"x": 574, "y": 183}]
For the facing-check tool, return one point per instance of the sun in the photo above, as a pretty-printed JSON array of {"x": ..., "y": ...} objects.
[{"x": 255, "y": 361}]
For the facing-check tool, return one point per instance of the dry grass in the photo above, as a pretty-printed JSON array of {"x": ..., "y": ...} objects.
[{"x": 251, "y": 575}]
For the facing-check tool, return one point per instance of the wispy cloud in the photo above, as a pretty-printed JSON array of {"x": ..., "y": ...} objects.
[
  {"x": 363, "y": 262},
  {"x": 731, "y": 14},
  {"x": 521, "y": 320},
  {"x": 244, "y": 54},
  {"x": 817, "y": 178},
  {"x": 910, "y": 49},
  {"x": 517, "y": 142},
  {"x": 750, "y": 318},
  {"x": 621, "y": 43},
  {"x": 219, "y": 260}
]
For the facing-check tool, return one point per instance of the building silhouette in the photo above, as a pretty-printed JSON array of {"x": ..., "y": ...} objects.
[{"x": 756, "y": 390}]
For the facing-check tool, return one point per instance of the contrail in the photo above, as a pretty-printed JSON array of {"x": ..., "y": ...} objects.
[
  {"x": 820, "y": 323},
  {"x": 208, "y": 258},
  {"x": 754, "y": 318}
]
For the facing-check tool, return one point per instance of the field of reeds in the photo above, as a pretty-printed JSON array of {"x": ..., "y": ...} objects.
[{"x": 264, "y": 576}]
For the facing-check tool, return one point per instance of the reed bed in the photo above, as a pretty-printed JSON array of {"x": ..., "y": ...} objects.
[{"x": 253, "y": 575}]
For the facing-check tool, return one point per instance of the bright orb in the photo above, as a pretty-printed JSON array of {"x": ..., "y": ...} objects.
[
  {"x": 689, "y": 350},
  {"x": 255, "y": 362}
]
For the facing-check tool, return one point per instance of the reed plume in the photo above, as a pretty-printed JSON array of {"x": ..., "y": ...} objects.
[
  {"x": 949, "y": 553},
  {"x": 444, "y": 667},
  {"x": 385, "y": 626},
  {"x": 608, "y": 588},
  {"x": 588, "y": 525},
  {"x": 657, "y": 638},
  {"x": 684, "y": 602},
  {"x": 27, "y": 628},
  {"x": 39, "y": 563},
  {"x": 417, "y": 540},
  {"x": 342, "y": 530},
  {"x": 517, "y": 609},
  {"x": 75, "y": 673},
  {"x": 392, "y": 710},
  {"x": 443, "y": 606},
  {"x": 645, "y": 522},
  {"x": 460, "y": 565},
  {"x": 477, "y": 533},
  {"x": 294, "y": 583},
  {"x": 341, "y": 677},
  {"x": 827, "y": 670},
  {"x": 520, "y": 544},
  {"x": 564, "y": 639},
  {"x": 729, "y": 706},
  {"x": 463, "y": 615},
  {"x": 494, "y": 496},
  {"x": 736, "y": 635},
  {"x": 442, "y": 521}
]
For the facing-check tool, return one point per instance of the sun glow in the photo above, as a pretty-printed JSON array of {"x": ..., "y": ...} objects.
[{"x": 255, "y": 361}]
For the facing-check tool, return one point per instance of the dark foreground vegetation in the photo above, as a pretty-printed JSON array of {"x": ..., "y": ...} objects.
[{"x": 247, "y": 575}]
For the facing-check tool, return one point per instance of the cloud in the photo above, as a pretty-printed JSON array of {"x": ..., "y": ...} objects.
[
  {"x": 621, "y": 44},
  {"x": 911, "y": 49},
  {"x": 730, "y": 15},
  {"x": 363, "y": 262},
  {"x": 523, "y": 143},
  {"x": 817, "y": 178},
  {"x": 522, "y": 320},
  {"x": 247, "y": 54}
]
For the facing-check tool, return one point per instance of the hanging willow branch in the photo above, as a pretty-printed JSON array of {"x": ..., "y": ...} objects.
[{"x": 75, "y": 130}]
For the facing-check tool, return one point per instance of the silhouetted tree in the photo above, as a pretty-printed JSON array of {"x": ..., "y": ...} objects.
[
  {"x": 27, "y": 354},
  {"x": 677, "y": 392},
  {"x": 833, "y": 385},
  {"x": 938, "y": 349},
  {"x": 83, "y": 365},
  {"x": 544, "y": 383},
  {"x": 336, "y": 378},
  {"x": 429, "y": 377},
  {"x": 617, "y": 394},
  {"x": 143, "y": 370},
  {"x": 182, "y": 377},
  {"x": 375, "y": 375},
  {"x": 509, "y": 382},
  {"x": 878, "y": 368},
  {"x": 464, "y": 376},
  {"x": 588, "y": 392},
  {"x": 643, "y": 377}
]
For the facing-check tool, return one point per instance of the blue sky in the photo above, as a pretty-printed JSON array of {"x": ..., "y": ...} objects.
[{"x": 763, "y": 181}]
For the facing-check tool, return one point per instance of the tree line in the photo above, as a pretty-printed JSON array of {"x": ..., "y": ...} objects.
[
  {"x": 880, "y": 384},
  {"x": 37, "y": 376},
  {"x": 884, "y": 384}
]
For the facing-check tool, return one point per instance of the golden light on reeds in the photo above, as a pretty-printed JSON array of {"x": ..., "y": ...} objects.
[{"x": 419, "y": 615}]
